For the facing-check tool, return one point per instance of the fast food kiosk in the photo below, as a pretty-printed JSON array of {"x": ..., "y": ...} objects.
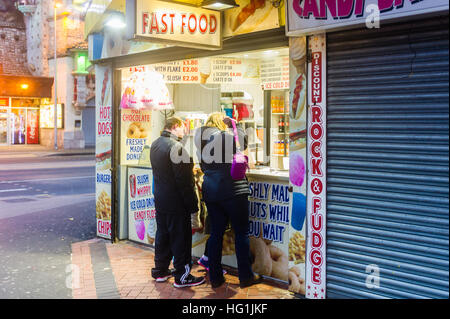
[
  {"x": 248, "y": 77},
  {"x": 318, "y": 225}
]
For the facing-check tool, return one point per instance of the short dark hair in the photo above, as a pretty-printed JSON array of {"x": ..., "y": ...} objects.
[{"x": 172, "y": 122}]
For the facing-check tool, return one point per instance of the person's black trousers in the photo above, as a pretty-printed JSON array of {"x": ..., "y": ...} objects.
[{"x": 173, "y": 239}]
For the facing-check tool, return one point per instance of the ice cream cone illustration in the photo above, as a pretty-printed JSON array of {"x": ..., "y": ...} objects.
[
  {"x": 205, "y": 69},
  {"x": 297, "y": 53}
]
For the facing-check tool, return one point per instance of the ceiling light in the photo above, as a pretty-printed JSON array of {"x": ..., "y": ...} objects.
[
  {"x": 116, "y": 20},
  {"x": 219, "y": 5},
  {"x": 24, "y": 86}
]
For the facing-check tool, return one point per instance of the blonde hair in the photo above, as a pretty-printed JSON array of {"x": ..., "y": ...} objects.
[{"x": 216, "y": 120}]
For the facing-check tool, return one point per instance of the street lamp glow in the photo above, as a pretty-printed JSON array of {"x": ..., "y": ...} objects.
[{"x": 58, "y": 5}]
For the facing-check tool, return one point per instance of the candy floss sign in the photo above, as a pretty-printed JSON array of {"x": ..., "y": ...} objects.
[
  {"x": 141, "y": 206},
  {"x": 305, "y": 16},
  {"x": 316, "y": 189}
]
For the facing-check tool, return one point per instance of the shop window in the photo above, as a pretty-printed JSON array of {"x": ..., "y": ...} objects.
[{"x": 47, "y": 116}]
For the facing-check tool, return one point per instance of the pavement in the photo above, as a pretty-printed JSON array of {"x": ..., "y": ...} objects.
[
  {"x": 102, "y": 270},
  {"x": 96, "y": 268},
  {"x": 41, "y": 151}
]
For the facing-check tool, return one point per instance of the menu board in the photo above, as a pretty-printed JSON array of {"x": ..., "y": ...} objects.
[
  {"x": 141, "y": 205},
  {"x": 275, "y": 73},
  {"x": 205, "y": 71},
  {"x": 185, "y": 71}
]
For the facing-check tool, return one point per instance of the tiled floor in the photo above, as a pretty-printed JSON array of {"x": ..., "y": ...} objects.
[{"x": 131, "y": 264}]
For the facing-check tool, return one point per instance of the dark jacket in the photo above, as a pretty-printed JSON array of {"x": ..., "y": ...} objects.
[
  {"x": 215, "y": 152},
  {"x": 174, "y": 187}
]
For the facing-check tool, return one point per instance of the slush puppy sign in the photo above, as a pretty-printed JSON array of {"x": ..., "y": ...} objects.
[{"x": 309, "y": 16}]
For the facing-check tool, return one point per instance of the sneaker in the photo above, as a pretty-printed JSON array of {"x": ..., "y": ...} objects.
[
  {"x": 249, "y": 282},
  {"x": 161, "y": 276},
  {"x": 190, "y": 281},
  {"x": 205, "y": 264},
  {"x": 217, "y": 284}
]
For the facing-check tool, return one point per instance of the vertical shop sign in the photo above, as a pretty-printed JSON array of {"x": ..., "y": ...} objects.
[
  {"x": 141, "y": 205},
  {"x": 103, "y": 120},
  {"x": 316, "y": 190}
]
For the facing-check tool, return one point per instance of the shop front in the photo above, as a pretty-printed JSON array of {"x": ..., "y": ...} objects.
[
  {"x": 340, "y": 120},
  {"x": 248, "y": 77},
  {"x": 21, "y": 98}
]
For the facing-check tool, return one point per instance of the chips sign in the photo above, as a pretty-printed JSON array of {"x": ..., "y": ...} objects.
[{"x": 178, "y": 24}]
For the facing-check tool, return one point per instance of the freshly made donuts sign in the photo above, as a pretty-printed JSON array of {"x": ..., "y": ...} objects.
[{"x": 181, "y": 24}]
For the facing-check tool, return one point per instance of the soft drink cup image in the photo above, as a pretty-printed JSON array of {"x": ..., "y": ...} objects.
[{"x": 133, "y": 185}]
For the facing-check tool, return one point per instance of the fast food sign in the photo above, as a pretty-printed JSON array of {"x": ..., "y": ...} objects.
[
  {"x": 178, "y": 24},
  {"x": 311, "y": 16},
  {"x": 316, "y": 186}
]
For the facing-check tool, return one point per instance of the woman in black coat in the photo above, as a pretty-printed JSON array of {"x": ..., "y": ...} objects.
[{"x": 226, "y": 199}]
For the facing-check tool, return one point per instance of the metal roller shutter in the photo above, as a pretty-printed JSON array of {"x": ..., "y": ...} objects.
[{"x": 387, "y": 161}]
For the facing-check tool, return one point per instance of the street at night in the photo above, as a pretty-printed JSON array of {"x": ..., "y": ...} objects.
[{"x": 46, "y": 203}]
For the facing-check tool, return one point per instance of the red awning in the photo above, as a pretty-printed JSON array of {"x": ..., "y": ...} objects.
[{"x": 26, "y": 86}]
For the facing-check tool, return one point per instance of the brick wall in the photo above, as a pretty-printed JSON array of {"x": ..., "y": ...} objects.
[{"x": 13, "y": 44}]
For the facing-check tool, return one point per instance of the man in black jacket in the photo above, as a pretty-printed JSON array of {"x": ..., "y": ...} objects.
[{"x": 175, "y": 201}]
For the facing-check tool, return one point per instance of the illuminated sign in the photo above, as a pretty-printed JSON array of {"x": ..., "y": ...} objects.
[
  {"x": 47, "y": 116},
  {"x": 179, "y": 24}
]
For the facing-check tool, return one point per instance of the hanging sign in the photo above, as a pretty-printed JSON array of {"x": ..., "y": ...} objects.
[
  {"x": 310, "y": 16},
  {"x": 178, "y": 24}
]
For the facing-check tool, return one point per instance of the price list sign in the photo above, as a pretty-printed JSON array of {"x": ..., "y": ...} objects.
[
  {"x": 185, "y": 71},
  {"x": 275, "y": 74}
]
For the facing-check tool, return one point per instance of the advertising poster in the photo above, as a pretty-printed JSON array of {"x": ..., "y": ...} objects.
[
  {"x": 141, "y": 206},
  {"x": 297, "y": 163},
  {"x": 251, "y": 16},
  {"x": 135, "y": 134},
  {"x": 33, "y": 126},
  {"x": 103, "y": 136},
  {"x": 269, "y": 228},
  {"x": 316, "y": 181}
]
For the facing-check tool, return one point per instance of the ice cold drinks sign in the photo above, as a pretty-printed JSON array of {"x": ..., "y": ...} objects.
[
  {"x": 173, "y": 22},
  {"x": 306, "y": 16}
]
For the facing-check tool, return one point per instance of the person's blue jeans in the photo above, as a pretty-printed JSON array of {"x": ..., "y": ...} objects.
[{"x": 234, "y": 210}]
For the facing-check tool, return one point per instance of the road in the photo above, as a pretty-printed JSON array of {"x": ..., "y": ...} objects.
[{"x": 46, "y": 204}]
